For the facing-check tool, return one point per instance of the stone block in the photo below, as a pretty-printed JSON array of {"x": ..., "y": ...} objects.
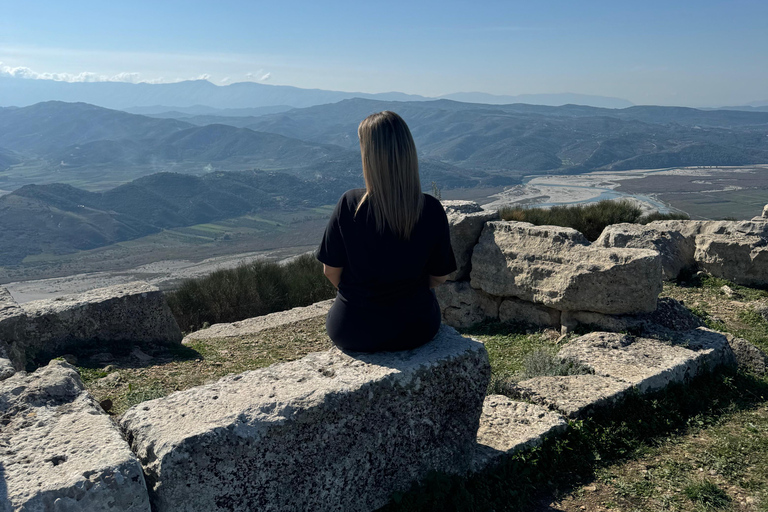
[
  {"x": 462, "y": 306},
  {"x": 12, "y": 322},
  {"x": 331, "y": 431},
  {"x": 742, "y": 259},
  {"x": 465, "y": 221},
  {"x": 557, "y": 267},
  {"x": 60, "y": 451},
  {"x": 257, "y": 324},
  {"x": 675, "y": 249},
  {"x": 507, "y": 426},
  {"x": 648, "y": 365},
  {"x": 670, "y": 315},
  {"x": 516, "y": 310},
  {"x": 134, "y": 312},
  {"x": 574, "y": 396}
]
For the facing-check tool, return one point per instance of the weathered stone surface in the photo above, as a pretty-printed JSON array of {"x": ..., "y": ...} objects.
[
  {"x": 675, "y": 249},
  {"x": 670, "y": 315},
  {"x": 765, "y": 211},
  {"x": 257, "y": 324},
  {"x": 12, "y": 320},
  {"x": 6, "y": 365},
  {"x": 647, "y": 364},
  {"x": 465, "y": 220},
  {"x": 132, "y": 312},
  {"x": 558, "y": 268},
  {"x": 516, "y": 310},
  {"x": 738, "y": 258},
  {"x": 573, "y": 396},
  {"x": 712, "y": 346},
  {"x": 692, "y": 228},
  {"x": 748, "y": 356},
  {"x": 331, "y": 431},
  {"x": 59, "y": 450},
  {"x": 507, "y": 426},
  {"x": 463, "y": 306}
]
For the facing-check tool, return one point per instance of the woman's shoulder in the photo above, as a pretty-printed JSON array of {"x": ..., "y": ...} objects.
[{"x": 433, "y": 205}]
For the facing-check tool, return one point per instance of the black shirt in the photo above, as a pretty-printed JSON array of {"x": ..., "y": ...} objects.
[{"x": 382, "y": 268}]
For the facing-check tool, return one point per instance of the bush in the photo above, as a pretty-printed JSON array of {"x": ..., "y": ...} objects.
[
  {"x": 589, "y": 219},
  {"x": 251, "y": 289}
]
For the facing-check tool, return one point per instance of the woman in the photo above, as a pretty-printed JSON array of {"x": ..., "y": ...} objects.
[{"x": 385, "y": 247}]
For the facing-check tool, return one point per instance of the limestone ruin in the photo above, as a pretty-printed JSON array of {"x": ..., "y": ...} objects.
[{"x": 305, "y": 434}]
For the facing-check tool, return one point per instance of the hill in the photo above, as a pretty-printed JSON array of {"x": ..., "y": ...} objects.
[
  {"x": 60, "y": 219},
  {"x": 96, "y": 148},
  {"x": 526, "y": 139}
]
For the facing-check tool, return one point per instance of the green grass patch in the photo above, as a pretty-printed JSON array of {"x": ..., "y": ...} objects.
[
  {"x": 707, "y": 495},
  {"x": 249, "y": 290},
  {"x": 589, "y": 219}
]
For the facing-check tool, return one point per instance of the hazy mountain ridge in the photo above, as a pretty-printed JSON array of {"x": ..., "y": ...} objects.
[{"x": 528, "y": 138}]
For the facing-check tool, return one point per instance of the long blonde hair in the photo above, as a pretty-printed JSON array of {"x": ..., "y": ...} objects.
[{"x": 391, "y": 172}]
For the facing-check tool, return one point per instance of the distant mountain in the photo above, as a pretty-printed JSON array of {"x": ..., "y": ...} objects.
[
  {"x": 60, "y": 219},
  {"x": 54, "y": 124},
  {"x": 540, "y": 99},
  {"x": 24, "y": 92},
  {"x": 525, "y": 139},
  {"x": 202, "y": 110},
  {"x": 460, "y": 144}
]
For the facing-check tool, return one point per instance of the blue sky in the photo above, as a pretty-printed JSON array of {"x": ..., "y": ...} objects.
[{"x": 700, "y": 53}]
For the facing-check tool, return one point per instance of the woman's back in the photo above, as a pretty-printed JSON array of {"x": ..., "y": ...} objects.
[{"x": 381, "y": 267}]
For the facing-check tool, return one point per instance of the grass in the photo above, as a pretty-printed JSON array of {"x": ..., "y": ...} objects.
[
  {"x": 249, "y": 290},
  {"x": 588, "y": 219}
]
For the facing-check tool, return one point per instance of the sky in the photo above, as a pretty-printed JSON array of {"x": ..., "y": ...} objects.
[{"x": 688, "y": 53}]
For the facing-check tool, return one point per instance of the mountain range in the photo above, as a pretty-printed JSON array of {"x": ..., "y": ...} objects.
[
  {"x": 144, "y": 98},
  {"x": 84, "y": 176}
]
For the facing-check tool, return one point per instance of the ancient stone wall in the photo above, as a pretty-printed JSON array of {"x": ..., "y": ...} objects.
[{"x": 553, "y": 277}]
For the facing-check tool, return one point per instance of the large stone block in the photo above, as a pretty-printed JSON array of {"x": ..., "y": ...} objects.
[
  {"x": 765, "y": 211},
  {"x": 251, "y": 326},
  {"x": 676, "y": 250},
  {"x": 12, "y": 322},
  {"x": 670, "y": 315},
  {"x": 60, "y": 451},
  {"x": 557, "y": 267},
  {"x": 516, "y": 310},
  {"x": 739, "y": 258},
  {"x": 573, "y": 396},
  {"x": 507, "y": 427},
  {"x": 332, "y": 431},
  {"x": 463, "y": 306},
  {"x": 134, "y": 312},
  {"x": 465, "y": 220},
  {"x": 647, "y": 364}
]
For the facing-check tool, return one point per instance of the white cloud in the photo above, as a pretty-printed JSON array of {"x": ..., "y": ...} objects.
[
  {"x": 265, "y": 77},
  {"x": 86, "y": 76},
  {"x": 225, "y": 80}
]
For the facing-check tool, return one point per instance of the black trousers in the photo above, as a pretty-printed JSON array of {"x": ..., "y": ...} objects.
[{"x": 367, "y": 327}]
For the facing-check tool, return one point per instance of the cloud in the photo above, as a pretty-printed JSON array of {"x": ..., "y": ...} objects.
[
  {"x": 85, "y": 76},
  {"x": 225, "y": 80},
  {"x": 265, "y": 77}
]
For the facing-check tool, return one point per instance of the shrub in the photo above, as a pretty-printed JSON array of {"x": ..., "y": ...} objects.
[
  {"x": 589, "y": 219},
  {"x": 249, "y": 290}
]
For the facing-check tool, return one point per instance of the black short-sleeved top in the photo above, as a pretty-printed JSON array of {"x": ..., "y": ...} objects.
[{"x": 380, "y": 267}]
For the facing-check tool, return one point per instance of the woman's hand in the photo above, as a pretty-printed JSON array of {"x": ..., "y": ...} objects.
[
  {"x": 435, "y": 281},
  {"x": 333, "y": 274}
]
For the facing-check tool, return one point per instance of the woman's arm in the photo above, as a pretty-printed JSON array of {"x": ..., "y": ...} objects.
[
  {"x": 435, "y": 281},
  {"x": 333, "y": 274}
]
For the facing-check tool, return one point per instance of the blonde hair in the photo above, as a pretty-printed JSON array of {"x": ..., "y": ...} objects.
[{"x": 391, "y": 172}]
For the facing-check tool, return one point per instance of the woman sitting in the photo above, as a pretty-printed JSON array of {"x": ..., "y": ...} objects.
[{"x": 386, "y": 247}]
